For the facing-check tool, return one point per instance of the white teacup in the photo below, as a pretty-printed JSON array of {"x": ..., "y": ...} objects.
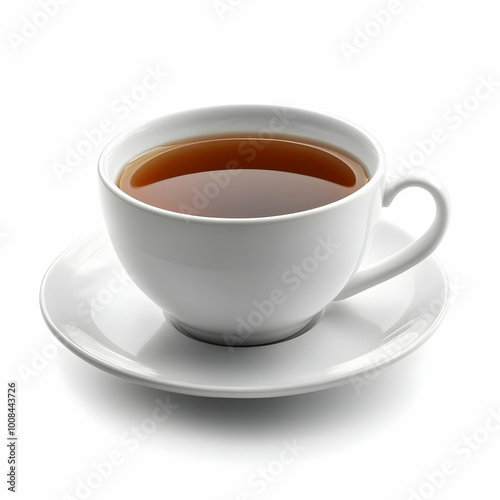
[{"x": 251, "y": 281}]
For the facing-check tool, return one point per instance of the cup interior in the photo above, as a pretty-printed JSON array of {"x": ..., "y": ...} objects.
[{"x": 254, "y": 120}]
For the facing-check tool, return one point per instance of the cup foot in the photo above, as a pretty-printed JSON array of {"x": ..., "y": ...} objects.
[{"x": 234, "y": 340}]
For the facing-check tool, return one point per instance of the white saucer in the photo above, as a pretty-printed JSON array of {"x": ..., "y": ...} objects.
[{"x": 98, "y": 313}]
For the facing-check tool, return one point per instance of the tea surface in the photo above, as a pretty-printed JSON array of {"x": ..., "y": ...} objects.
[{"x": 235, "y": 177}]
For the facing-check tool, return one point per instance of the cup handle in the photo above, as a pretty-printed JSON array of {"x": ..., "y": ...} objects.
[{"x": 415, "y": 252}]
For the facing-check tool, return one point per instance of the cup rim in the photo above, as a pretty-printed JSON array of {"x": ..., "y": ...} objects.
[{"x": 130, "y": 131}]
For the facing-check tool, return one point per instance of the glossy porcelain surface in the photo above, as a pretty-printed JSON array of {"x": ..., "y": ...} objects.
[
  {"x": 254, "y": 281},
  {"x": 96, "y": 311}
]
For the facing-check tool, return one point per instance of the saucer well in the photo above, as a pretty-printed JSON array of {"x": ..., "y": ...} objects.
[{"x": 97, "y": 312}]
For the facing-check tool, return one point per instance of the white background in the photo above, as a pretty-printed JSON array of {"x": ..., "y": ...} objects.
[{"x": 380, "y": 444}]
